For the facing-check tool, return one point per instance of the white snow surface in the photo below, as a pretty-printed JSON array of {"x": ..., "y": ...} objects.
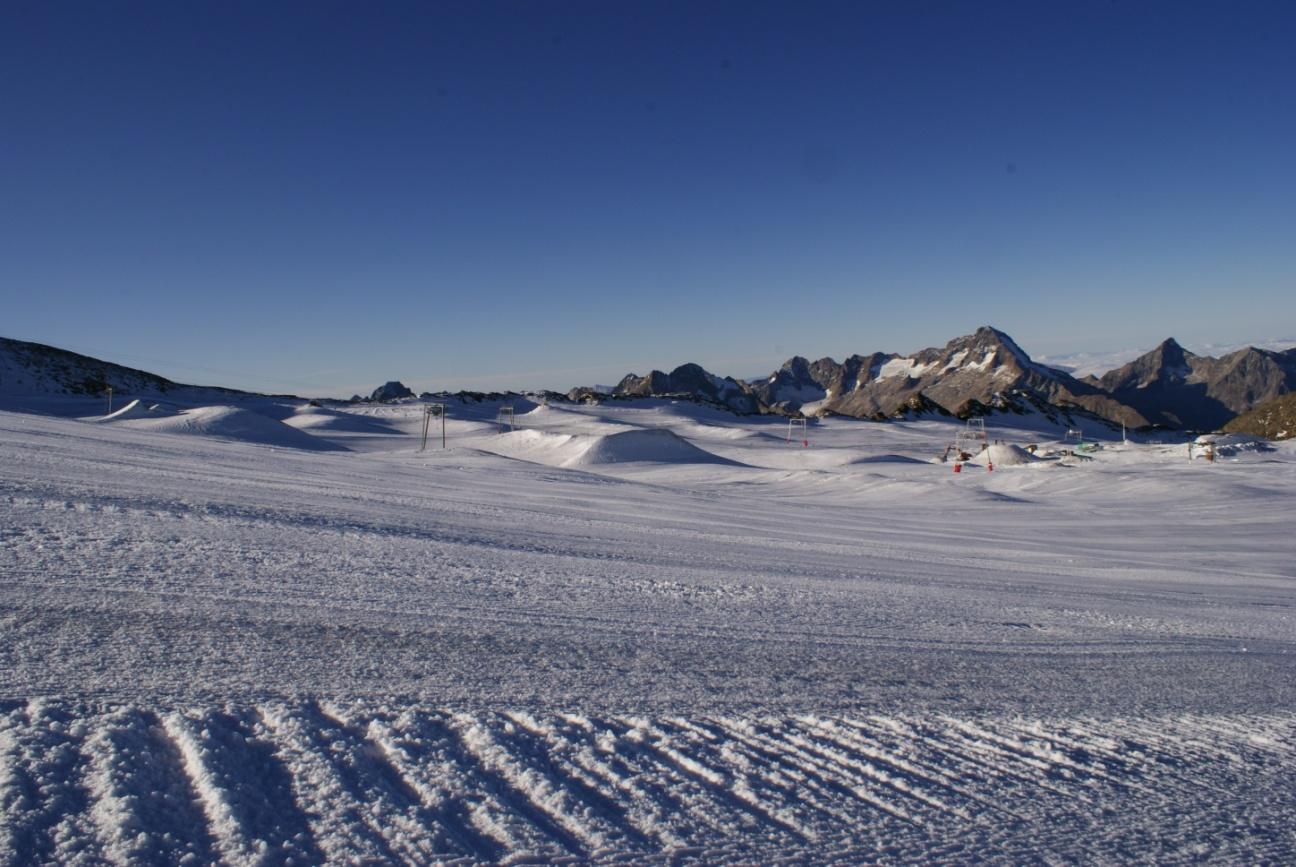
[
  {"x": 228, "y": 422},
  {"x": 648, "y": 632},
  {"x": 655, "y": 445},
  {"x": 1007, "y": 455},
  {"x": 800, "y": 394},
  {"x": 139, "y": 409},
  {"x": 906, "y": 367}
]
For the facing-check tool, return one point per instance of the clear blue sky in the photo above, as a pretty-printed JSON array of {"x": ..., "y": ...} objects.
[{"x": 323, "y": 196}]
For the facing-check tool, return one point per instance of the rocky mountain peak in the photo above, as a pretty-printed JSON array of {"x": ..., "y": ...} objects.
[
  {"x": 1171, "y": 386},
  {"x": 1171, "y": 354},
  {"x": 693, "y": 381},
  {"x": 798, "y": 366},
  {"x": 1167, "y": 363},
  {"x": 987, "y": 337},
  {"x": 393, "y": 390},
  {"x": 689, "y": 370}
]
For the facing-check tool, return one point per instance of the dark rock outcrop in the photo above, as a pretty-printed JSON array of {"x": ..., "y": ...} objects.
[
  {"x": 390, "y": 391},
  {"x": 799, "y": 382},
  {"x": 692, "y": 382},
  {"x": 1275, "y": 419}
]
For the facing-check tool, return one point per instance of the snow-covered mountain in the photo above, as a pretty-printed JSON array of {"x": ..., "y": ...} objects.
[
  {"x": 976, "y": 374},
  {"x": 36, "y": 369},
  {"x": 987, "y": 372},
  {"x": 801, "y": 385}
]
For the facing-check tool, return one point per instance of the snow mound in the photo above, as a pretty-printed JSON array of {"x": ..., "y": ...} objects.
[
  {"x": 139, "y": 409},
  {"x": 643, "y": 446},
  {"x": 529, "y": 444},
  {"x": 236, "y": 423},
  {"x": 1008, "y": 455},
  {"x": 335, "y": 421},
  {"x": 887, "y": 459}
]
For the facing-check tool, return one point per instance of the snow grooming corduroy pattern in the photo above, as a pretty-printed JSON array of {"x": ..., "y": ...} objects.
[{"x": 308, "y": 782}]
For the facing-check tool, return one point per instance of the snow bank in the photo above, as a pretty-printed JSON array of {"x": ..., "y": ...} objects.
[
  {"x": 1008, "y": 455},
  {"x": 649, "y": 446},
  {"x": 531, "y": 444},
  {"x": 887, "y": 459},
  {"x": 138, "y": 409},
  {"x": 235, "y": 423},
  {"x": 335, "y": 421}
]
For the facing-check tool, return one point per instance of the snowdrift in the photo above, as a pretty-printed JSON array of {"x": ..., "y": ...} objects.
[
  {"x": 887, "y": 459},
  {"x": 335, "y": 421},
  {"x": 1008, "y": 455},
  {"x": 139, "y": 409},
  {"x": 644, "y": 446},
  {"x": 235, "y": 423}
]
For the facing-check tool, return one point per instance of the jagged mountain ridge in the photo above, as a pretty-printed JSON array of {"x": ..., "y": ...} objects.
[
  {"x": 800, "y": 382},
  {"x": 971, "y": 375},
  {"x": 1171, "y": 386},
  {"x": 967, "y": 376},
  {"x": 691, "y": 380},
  {"x": 987, "y": 372},
  {"x": 978, "y": 374}
]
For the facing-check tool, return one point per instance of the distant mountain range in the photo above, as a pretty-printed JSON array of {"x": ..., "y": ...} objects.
[
  {"x": 979, "y": 374},
  {"x": 1172, "y": 387},
  {"x": 987, "y": 372}
]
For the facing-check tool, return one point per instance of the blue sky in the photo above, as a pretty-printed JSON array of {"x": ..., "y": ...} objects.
[{"x": 319, "y": 197}]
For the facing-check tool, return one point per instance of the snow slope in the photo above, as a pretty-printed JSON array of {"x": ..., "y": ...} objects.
[{"x": 841, "y": 653}]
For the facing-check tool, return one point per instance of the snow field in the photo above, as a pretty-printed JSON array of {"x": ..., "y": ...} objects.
[{"x": 220, "y": 649}]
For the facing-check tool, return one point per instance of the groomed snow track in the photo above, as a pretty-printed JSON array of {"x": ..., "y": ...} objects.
[
  {"x": 220, "y": 652},
  {"x": 311, "y": 782}
]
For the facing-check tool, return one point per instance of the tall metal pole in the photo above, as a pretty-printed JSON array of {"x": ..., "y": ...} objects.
[
  {"x": 429, "y": 411},
  {"x": 109, "y": 412}
]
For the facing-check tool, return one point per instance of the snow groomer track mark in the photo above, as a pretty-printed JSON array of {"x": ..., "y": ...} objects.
[{"x": 312, "y": 782}]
